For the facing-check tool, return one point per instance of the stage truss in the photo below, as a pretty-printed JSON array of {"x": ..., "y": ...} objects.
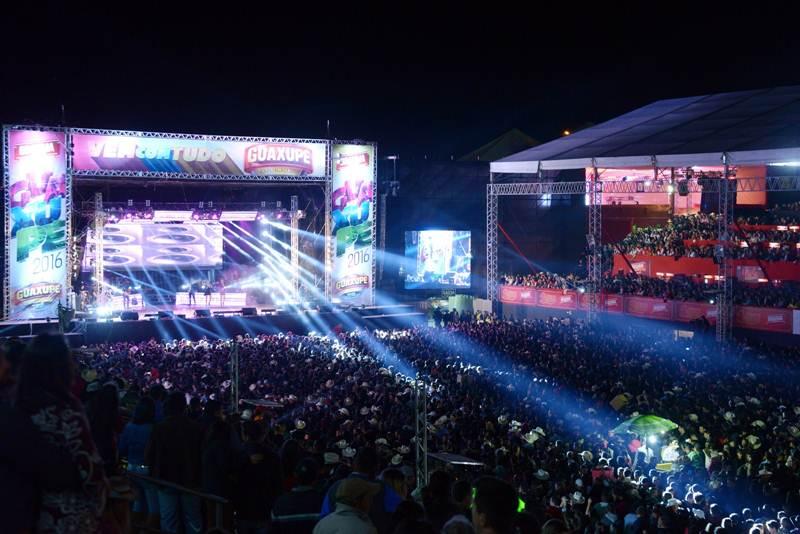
[
  {"x": 72, "y": 174},
  {"x": 594, "y": 192}
]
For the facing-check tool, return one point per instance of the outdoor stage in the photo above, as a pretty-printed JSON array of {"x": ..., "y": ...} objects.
[
  {"x": 125, "y": 251},
  {"x": 231, "y": 323}
]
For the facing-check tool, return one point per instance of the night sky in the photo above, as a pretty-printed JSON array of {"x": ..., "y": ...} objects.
[{"x": 416, "y": 81}]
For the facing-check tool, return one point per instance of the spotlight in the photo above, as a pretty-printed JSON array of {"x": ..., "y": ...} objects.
[
  {"x": 670, "y": 189},
  {"x": 711, "y": 301},
  {"x": 652, "y": 439}
]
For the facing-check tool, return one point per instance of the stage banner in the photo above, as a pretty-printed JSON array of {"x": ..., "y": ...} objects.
[
  {"x": 196, "y": 155},
  {"x": 614, "y": 303},
  {"x": 650, "y": 308},
  {"x": 37, "y": 196},
  {"x": 771, "y": 319},
  {"x": 689, "y": 311},
  {"x": 518, "y": 295},
  {"x": 353, "y": 212},
  {"x": 554, "y": 298}
]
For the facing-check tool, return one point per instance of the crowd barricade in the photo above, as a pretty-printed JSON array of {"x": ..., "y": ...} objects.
[{"x": 779, "y": 320}]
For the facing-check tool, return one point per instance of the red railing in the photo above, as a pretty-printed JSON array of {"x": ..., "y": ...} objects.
[{"x": 765, "y": 319}]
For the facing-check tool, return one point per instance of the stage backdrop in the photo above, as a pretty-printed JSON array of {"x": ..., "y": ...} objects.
[
  {"x": 353, "y": 212},
  {"x": 37, "y": 203},
  {"x": 209, "y": 155}
]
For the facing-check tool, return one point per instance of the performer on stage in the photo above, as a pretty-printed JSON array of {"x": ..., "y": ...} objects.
[
  {"x": 192, "y": 297},
  {"x": 207, "y": 292},
  {"x": 126, "y": 298}
]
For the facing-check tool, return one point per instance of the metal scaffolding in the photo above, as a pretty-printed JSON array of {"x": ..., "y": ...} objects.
[
  {"x": 491, "y": 240},
  {"x": 234, "y": 357},
  {"x": 296, "y": 214},
  {"x": 421, "y": 431},
  {"x": 382, "y": 245},
  {"x": 594, "y": 258},
  {"x": 98, "y": 270},
  {"x": 722, "y": 253}
]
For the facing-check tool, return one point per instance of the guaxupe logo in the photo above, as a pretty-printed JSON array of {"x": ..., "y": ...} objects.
[
  {"x": 38, "y": 293},
  {"x": 280, "y": 158},
  {"x": 353, "y": 283}
]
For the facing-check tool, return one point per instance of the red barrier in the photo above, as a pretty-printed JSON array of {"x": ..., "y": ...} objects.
[
  {"x": 766, "y": 319},
  {"x": 689, "y": 311},
  {"x": 771, "y": 319},
  {"x": 649, "y": 307},
  {"x": 554, "y": 298}
]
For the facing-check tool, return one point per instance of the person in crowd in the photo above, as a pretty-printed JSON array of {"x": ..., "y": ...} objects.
[
  {"x": 436, "y": 499},
  {"x": 386, "y": 499},
  {"x": 353, "y": 499},
  {"x": 297, "y": 511},
  {"x": 495, "y": 507},
  {"x": 174, "y": 455},
  {"x": 44, "y": 395},
  {"x": 104, "y": 419},
  {"x": 460, "y": 521},
  {"x": 132, "y": 446},
  {"x": 259, "y": 480},
  {"x": 28, "y": 462}
]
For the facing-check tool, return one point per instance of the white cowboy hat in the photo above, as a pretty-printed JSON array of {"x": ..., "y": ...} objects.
[
  {"x": 397, "y": 459},
  {"x": 299, "y": 424},
  {"x": 349, "y": 452}
]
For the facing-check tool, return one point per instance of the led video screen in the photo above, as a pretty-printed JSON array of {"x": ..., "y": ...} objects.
[
  {"x": 159, "y": 246},
  {"x": 438, "y": 259}
]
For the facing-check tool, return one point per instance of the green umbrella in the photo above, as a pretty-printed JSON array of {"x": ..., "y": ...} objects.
[{"x": 646, "y": 425}]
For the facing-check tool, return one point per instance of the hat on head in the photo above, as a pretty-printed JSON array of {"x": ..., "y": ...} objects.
[
  {"x": 397, "y": 459},
  {"x": 299, "y": 424},
  {"x": 349, "y": 452},
  {"x": 381, "y": 441},
  {"x": 673, "y": 502},
  {"x": 578, "y": 498},
  {"x": 541, "y": 474},
  {"x": 342, "y": 444},
  {"x": 352, "y": 490},
  {"x": 247, "y": 415}
]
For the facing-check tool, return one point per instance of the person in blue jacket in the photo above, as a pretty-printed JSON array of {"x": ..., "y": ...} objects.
[{"x": 385, "y": 502}]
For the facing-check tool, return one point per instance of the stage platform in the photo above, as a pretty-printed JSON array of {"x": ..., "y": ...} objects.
[{"x": 225, "y": 323}]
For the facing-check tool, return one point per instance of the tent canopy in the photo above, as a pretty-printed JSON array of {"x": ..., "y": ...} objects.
[{"x": 752, "y": 127}]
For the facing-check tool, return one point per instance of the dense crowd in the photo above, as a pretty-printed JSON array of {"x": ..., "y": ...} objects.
[
  {"x": 532, "y": 401},
  {"x": 784, "y": 294},
  {"x": 677, "y": 237}
]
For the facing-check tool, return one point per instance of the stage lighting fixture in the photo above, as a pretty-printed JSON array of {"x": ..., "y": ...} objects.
[
  {"x": 652, "y": 439},
  {"x": 670, "y": 189}
]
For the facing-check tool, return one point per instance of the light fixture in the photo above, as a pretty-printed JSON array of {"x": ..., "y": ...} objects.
[{"x": 566, "y": 132}]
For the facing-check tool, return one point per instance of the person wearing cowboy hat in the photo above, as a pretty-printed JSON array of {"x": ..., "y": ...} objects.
[
  {"x": 386, "y": 500},
  {"x": 354, "y": 499}
]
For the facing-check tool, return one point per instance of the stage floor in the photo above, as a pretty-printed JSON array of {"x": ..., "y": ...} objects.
[{"x": 226, "y": 322}]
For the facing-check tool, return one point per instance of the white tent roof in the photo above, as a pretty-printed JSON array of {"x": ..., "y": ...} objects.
[{"x": 752, "y": 127}]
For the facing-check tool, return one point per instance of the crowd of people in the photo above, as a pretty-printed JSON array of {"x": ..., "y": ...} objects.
[
  {"x": 323, "y": 439},
  {"x": 694, "y": 236},
  {"x": 785, "y": 294}
]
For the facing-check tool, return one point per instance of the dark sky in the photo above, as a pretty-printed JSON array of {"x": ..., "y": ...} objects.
[{"x": 416, "y": 81}]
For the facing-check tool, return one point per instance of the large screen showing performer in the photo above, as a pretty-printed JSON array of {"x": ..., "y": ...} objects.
[
  {"x": 143, "y": 245},
  {"x": 440, "y": 259}
]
